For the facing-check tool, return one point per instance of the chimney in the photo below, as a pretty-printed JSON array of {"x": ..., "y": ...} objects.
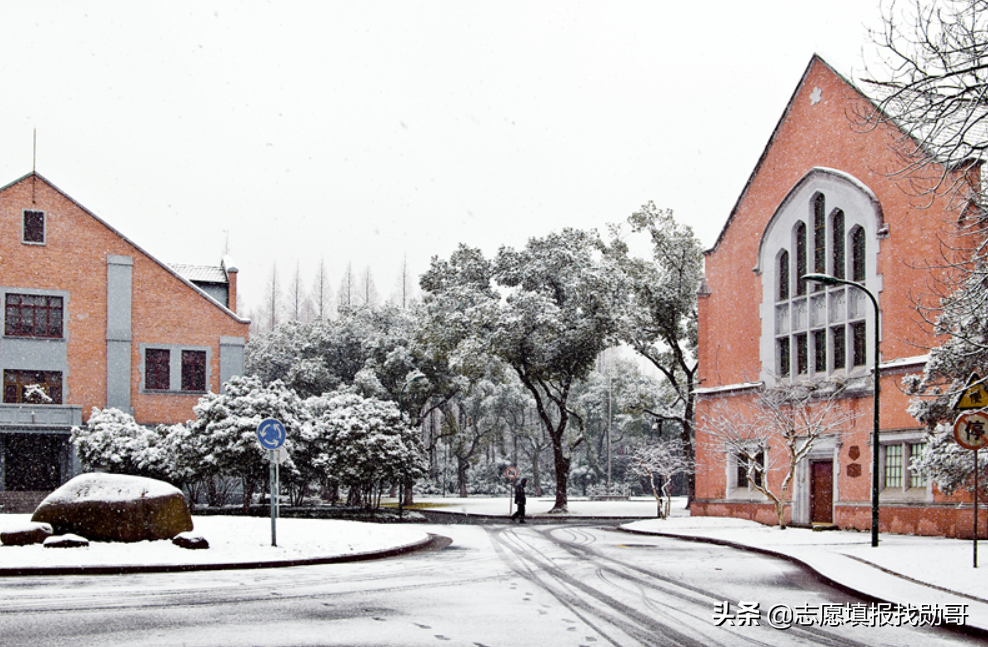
[{"x": 231, "y": 283}]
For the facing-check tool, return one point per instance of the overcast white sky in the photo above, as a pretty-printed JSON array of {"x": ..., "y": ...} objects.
[{"x": 367, "y": 131}]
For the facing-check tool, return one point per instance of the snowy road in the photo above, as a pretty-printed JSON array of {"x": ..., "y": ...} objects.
[{"x": 495, "y": 585}]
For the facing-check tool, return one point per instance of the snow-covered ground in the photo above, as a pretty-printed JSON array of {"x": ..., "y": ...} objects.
[
  {"x": 905, "y": 569},
  {"x": 231, "y": 540}
]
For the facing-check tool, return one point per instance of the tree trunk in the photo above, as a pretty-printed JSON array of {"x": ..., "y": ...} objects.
[
  {"x": 536, "y": 471},
  {"x": 462, "y": 465},
  {"x": 562, "y": 476}
]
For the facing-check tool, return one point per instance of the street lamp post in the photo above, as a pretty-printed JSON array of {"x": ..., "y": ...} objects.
[{"x": 826, "y": 279}]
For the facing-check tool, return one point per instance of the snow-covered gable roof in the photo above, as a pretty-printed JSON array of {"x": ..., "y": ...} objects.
[
  {"x": 201, "y": 273},
  {"x": 164, "y": 266}
]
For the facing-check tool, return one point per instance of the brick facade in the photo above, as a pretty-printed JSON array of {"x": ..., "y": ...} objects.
[
  {"x": 754, "y": 332},
  {"x": 117, "y": 301}
]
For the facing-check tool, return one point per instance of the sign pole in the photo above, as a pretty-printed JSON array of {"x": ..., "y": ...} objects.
[
  {"x": 971, "y": 432},
  {"x": 273, "y": 477},
  {"x": 271, "y": 435}
]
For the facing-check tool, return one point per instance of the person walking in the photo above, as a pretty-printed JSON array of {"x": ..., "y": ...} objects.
[{"x": 520, "y": 499}]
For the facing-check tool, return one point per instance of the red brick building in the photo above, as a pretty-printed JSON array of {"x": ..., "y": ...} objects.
[
  {"x": 823, "y": 198},
  {"x": 92, "y": 320}
]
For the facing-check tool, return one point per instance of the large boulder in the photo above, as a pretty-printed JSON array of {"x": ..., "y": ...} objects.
[{"x": 114, "y": 507}]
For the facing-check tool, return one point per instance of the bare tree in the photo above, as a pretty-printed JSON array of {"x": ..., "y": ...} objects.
[
  {"x": 321, "y": 294},
  {"x": 273, "y": 299},
  {"x": 778, "y": 432},
  {"x": 348, "y": 286},
  {"x": 664, "y": 460},
  {"x": 932, "y": 86},
  {"x": 403, "y": 286},
  {"x": 296, "y": 294},
  {"x": 368, "y": 291}
]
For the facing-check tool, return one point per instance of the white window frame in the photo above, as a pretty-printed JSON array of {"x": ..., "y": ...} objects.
[
  {"x": 819, "y": 309},
  {"x": 745, "y": 490}
]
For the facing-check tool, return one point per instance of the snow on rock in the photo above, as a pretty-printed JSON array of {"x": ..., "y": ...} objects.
[
  {"x": 114, "y": 507},
  {"x": 190, "y": 540},
  {"x": 66, "y": 541},
  {"x": 25, "y": 534}
]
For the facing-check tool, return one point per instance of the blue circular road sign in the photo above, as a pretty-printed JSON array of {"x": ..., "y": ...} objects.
[{"x": 271, "y": 434}]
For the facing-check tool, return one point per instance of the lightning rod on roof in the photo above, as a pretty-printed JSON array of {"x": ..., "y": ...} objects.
[{"x": 34, "y": 165}]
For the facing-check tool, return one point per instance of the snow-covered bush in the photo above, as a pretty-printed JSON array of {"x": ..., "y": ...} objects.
[
  {"x": 112, "y": 441},
  {"x": 365, "y": 443},
  {"x": 225, "y": 430}
]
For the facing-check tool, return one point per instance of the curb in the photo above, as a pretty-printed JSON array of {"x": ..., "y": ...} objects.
[
  {"x": 432, "y": 542},
  {"x": 965, "y": 629}
]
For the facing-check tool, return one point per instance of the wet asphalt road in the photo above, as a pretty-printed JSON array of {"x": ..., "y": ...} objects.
[{"x": 493, "y": 585}]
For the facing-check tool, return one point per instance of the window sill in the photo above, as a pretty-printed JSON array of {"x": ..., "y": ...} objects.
[
  {"x": 745, "y": 494},
  {"x": 167, "y": 392},
  {"x": 916, "y": 494},
  {"x": 33, "y": 338}
]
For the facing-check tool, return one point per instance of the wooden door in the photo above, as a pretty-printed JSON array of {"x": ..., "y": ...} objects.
[{"x": 822, "y": 492}]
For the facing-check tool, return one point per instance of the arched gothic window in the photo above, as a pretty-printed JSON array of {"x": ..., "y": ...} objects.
[{"x": 822, "y": 331}]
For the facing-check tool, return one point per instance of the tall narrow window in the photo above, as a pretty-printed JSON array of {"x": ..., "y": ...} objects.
[
  {"x": 784, "y": 357},
  {"x": 756, "y": 463},
  {"x": 157, "y": 369},
  {"x": 800, "y": 257},
  {"x": 837, "y": 236},
  {"x": 34, "y": 227},
  {"x": 783, "y": 292},
  {"x": 802, "y": 354},
  {"x": 839, "y": 337},
  {"x": 916, "y": 478},
  {"x": 893, "y": 466},
  {"x": 193, "y": 370},
  {"x": 820, "y": 351},
  {"x": 819, "y": 235},
  {"x": 859, "y": 343},
  {"x": 858, "y": 255}
]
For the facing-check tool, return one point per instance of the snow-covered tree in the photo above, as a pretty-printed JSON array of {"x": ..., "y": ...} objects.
[
  {"x": 931, "y": 85},
  {"x": 555, "y": 319},
  {"x": 664, "y": 461},
  {"x": 778, "y": 432},
  {"x": 226, "y": 428},
  {"x": 113, "y": 441},
  {"x": 365, "y": 443},
  {"x": 659, "y": 314},
  {"x": 950, "y": 466}
]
